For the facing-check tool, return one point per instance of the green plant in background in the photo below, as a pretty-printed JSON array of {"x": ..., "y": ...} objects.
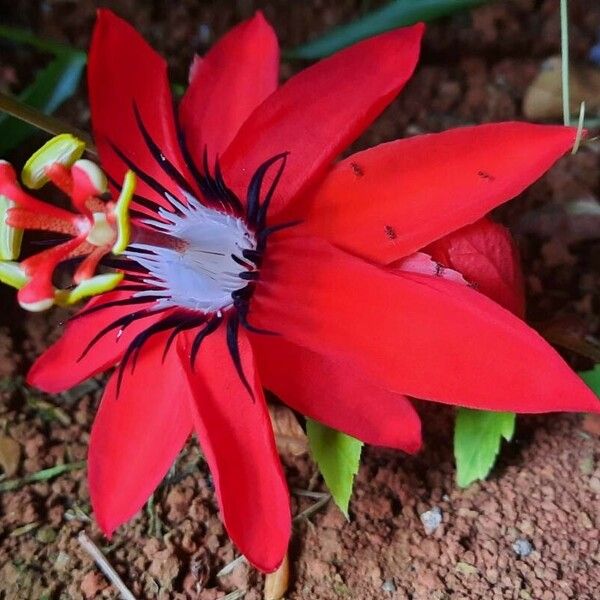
[
  {"x": 398, "y": 13},
  {"x": 592, "y": 378},
  {"x": 54, "y": 84}
]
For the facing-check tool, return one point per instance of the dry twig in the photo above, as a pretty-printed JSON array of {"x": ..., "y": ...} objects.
[{"x": 104, "y": 566}]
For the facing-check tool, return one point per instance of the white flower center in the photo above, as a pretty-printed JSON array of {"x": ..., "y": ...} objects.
[{"x": 196, "y": 269}]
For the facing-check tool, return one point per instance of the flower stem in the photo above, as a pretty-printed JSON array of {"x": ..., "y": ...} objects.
[
  {"x": 564, "y": 45},
  {"x": 37, "y": 119}
]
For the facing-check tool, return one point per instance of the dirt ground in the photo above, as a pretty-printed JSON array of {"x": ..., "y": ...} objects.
[{"x": 532, "y": 531}]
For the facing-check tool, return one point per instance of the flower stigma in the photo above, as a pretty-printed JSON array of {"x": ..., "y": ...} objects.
[
  {"x": 91, "y": 232},
  {"x": 190, "y": 262}
]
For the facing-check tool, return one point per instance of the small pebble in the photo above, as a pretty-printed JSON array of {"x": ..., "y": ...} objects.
[
  {"x": 465, "y": 568},
  {"x": 594, "y": 54},
  {"x": 522, "y": 548},
  {"x": 62, "y": 560},
  {"x": 431, "y": 519},
  {"x": 388, "y": 586},
  {"x": 46, "y": 535},
  {"x": 204, "y": 34}
]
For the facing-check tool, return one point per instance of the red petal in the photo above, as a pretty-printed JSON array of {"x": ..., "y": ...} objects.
[
  {"x": 237, "y": 440},
  {"x": 123, "y": 72},
  {"x": 487, "y": 256},
  {"x": 137, "y": 434},
  {"x": 392, "y": 200},
  {"x": 320, "y": 111},
  {"x": 234, "y": 77},
  {"x": 333, "y": 393},
  {"x": 61, "y": 367},
  {"x": 420, "y": 336}
]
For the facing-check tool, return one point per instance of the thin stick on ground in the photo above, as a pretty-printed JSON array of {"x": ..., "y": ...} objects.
[
  {"x": 104, "y": 566},
  {"x": 229, "y": 567},
  {"x": 579, "y": 129},
  {"x": 310, "y": 494},
  {"x": 235, "y": 595},
  {"x": 311, "y": 510}
]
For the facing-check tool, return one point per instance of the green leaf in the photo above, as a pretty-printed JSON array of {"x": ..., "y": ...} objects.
[
  {"x": 477, "y": 436},
  {"x": 338, "y": 457},
  {"x": 398, "y": 13},
  {"x": 592, "y": 379},
  {"x": 53, "y": 85},
  {"x": 23, "y": 36}
]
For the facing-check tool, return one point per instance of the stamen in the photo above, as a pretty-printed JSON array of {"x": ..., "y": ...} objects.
[
  {"x": 193, "y": 260},
  {"x": 12, "y": 273},
  {"x": 63, "y": 149},
  {"x": 93, "y": 286},
  {"x": 10, "y": 236},
  {"x": 121, "y": 214},
  {"x": 99, "y": 228}
]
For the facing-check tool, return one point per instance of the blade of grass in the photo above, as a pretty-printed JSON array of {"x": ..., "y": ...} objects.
[
  {"x": 564, "y": 53},
  {"x": 19, "y": 531},
  {"x": 23, "y": 36},
  {"x": 398, "y": 13},
  {"x": 43, "y": 475}
]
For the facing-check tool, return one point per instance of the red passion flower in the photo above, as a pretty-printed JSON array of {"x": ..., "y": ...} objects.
[{"x": 246, "y": 257}]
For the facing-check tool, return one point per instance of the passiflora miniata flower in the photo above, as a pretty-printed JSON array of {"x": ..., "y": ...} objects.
[{"x": 249, "y": 259}]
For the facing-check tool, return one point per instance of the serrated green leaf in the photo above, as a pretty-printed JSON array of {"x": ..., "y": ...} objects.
[
  {"x": 399, "y": 13},
  {"x": 592, "y": 379},
  {"x": 338, "y": 457},
  {"x": 53, "y": 85},
  {"x": 477, "y": 437}
]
